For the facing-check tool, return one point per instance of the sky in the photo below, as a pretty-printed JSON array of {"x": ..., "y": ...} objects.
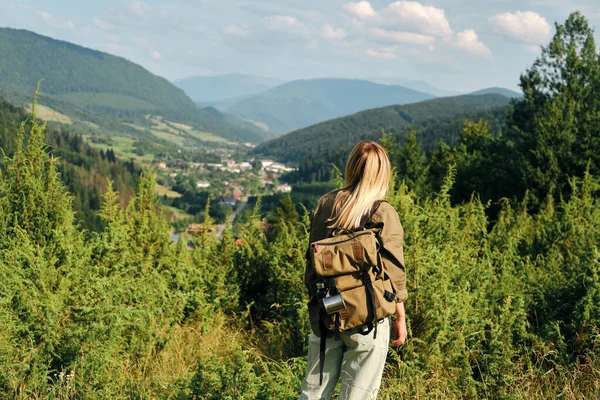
[{"x": 459, "y": 45}]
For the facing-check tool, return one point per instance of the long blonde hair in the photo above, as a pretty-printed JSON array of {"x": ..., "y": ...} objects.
[{"x": 367, "y": 179}]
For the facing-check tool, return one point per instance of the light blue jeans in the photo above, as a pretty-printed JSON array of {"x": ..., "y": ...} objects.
[{"x": 356, "y": 359}]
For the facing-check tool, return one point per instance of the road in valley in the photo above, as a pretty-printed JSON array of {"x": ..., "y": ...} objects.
[{"x": 232, "y": 217}]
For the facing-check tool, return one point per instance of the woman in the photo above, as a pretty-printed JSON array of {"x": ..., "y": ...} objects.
[{"x": 355, "y": 358}]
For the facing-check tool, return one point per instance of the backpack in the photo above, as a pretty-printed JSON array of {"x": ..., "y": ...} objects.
[{"x": 353, "y": 290}]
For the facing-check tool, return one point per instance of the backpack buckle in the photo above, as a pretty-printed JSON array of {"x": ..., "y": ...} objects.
[
  {"x": 365, "y": 329},
  {"x": 389, "y": 296}
]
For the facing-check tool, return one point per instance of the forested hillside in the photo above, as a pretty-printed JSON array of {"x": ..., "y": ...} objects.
[
  {"x": 80, "y": 81},
  {"x": 502, "y": 303},
  {"x": 301, "y": 103},
  {"x": 438, "y": 119}
]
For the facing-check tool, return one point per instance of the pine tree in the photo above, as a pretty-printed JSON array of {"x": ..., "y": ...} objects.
[
  {"x": 557, "y": 124},
  {"x": 285, "y": 217},
  {"x": 413, "y": 165}
]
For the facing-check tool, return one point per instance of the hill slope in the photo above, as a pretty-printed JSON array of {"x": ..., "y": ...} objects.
[
  {"x": 214, "y": 89},
  {"x": 498, "y": 90},
  {"x": 302, "y": 103},
  {"x": 99, "y": 83},
  {"x": 420, "y": 86},
  {"x": 445, "y": 115}
]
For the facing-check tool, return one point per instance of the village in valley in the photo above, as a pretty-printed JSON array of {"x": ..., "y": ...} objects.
[{"x": 228, "y": 184}]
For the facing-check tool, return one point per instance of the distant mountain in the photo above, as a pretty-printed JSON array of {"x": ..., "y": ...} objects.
[
  {"x": 435, "y": 120},
  {"x": 498, "y": 90},
  {"x": 99, "y": 84},
  {"x": 210, "y": 90},
  {"x": 420, "y": 86},
  {"x": 303, "y": 103}
]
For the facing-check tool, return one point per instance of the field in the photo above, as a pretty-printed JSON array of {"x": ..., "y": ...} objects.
[
  {"x": 123, "y": 148},
  {"x": 47, "y": 114},
  {"x": 164, "y": 191},
  {"x": 176, "y": 133},
  {"x": 166, "y": 127}
]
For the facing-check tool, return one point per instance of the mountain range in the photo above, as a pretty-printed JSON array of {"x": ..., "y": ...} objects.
[
  {"x": 285, "y": 107},
  {"x": 211, "y": 90},
  {"x": 420, "y": 86},
  {"x": 92, "y": 85},
  {"x": 302, "y": 103},
  {"x": 100, "y": 91}
]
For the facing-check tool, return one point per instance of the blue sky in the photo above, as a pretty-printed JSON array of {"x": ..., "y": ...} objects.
[{"x": 453, "y": 44}]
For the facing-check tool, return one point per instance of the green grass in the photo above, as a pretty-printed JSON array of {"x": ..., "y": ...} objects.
[
  {"x": 208, "y": 137},
  {"x": 174, "y": 214},
  {"x": 165, "y": 191},
  {"x": 47, "y": 114},
  {"x": 123, "y": 148},
  {"x": 164, "y": 125},
  {"x": 175, "y": 132},
  {"x": 178, "y": 140}
]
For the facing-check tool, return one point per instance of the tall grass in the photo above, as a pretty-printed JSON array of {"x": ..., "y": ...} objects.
[{"x": 504, "y": 311}]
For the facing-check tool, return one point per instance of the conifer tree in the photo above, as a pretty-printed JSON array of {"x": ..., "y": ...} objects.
[
  {"x": 284, "y": 215},
  {"x": 556, "y": 127}
]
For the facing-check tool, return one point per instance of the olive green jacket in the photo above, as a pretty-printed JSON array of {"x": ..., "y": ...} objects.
[{"x": 390, "y": 236}]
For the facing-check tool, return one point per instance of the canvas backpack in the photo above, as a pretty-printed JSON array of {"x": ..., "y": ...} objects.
[{"x": 353, "y": 288}]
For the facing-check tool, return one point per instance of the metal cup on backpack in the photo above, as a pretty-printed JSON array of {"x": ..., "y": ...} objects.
[{"x": 332, "y": 304}]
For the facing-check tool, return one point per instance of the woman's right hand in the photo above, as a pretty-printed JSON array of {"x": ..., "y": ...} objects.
[{"x": 400, "y": 331}]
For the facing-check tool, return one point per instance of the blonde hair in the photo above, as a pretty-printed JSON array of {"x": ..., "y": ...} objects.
[{"x": 367, "y": 179}]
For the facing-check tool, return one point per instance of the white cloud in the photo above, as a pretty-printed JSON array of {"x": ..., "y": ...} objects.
[
  {"x": 236, "y": 30},
  {"x": 403, "y": 37},
  {"x": 282, "y": 23},
  {"x": 467, "y": 40},
  {"x": 55, "y": 23},
  {"x": 426, "y": 19},
  {"x": 524, "y": 26},
  {"x": 140, "y": 8},
  {"x": 101, "y": 24},
  {"x": 386, "y": 53},
  {"x": 413, "y": 23},
  {"x": 331, "y": 33},
  {"x": 156, "y": 54},
  {"x": 287, "y": 24},
  {"x": 361, "y": 9}
]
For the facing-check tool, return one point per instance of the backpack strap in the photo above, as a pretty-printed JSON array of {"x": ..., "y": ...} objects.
[
  {"x": 366, "y": 279},
  {"x": 322, "y": 347},
  {"x": 324, "y": 331},
  {"x": 365, "y": 219}
]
